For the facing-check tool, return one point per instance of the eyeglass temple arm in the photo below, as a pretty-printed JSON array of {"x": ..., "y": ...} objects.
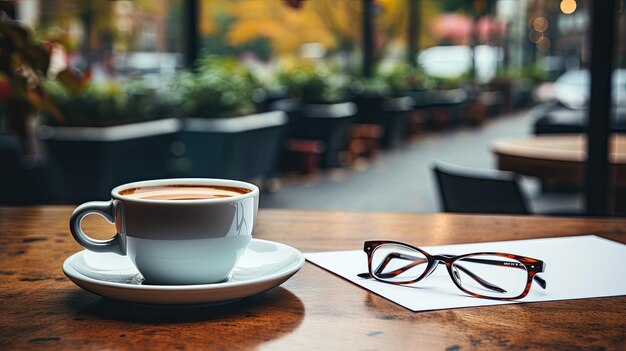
[
  {"x": 417, "y": 261},
  {"x": 538, "y": 279}
]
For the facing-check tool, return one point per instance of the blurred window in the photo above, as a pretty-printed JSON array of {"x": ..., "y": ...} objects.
[{"x": 112, "y": 38}]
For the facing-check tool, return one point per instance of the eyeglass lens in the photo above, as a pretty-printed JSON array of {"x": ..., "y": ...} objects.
[
  {"x": 486, "y": 275},
  {"x": 397, "y": 263},
  {"x": 491, "y": 275}
]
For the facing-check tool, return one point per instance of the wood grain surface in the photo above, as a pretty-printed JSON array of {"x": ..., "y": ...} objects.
[
  {"x": 41, "y": 309},
  {"x": 557, "y": 160},
  {"x": 563, "y": 147}
]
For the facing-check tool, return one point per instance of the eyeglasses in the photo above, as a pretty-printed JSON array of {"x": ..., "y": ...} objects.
[{"x": 489, "y": 275}]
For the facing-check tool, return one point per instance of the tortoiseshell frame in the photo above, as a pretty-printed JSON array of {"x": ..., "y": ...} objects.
[{"x": 532, "y": 266}]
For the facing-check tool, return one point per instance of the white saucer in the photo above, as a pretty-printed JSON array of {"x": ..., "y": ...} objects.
[{"x": 264, "y": 265}]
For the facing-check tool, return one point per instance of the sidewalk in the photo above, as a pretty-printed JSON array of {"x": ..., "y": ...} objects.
[{"x": 401, "y": 180}]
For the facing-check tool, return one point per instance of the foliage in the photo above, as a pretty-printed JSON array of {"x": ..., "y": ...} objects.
[
  {"x": 288, "y": 28},
  {"x": 270, "y": 80},
  {"x": 394, "y": 81},
  {"x": 24, "y": 64},
  {"x": 374, "y": 86},
  {"x": 142, "y": 102},
  {"x": 314, "y": 82},
  {"x": 534, "y": 72},
  {"x": 220, "y": 88},
  {"x": 468, "y": 6},
  {"x": 216, "y": 43},
  {"x": 403, "y": 77},
  {"x": 450, "y": 83},
  {"x": 106, "y": 104},
  {"x": 334, "y": 24},
  {"x": 96, "y": 105}
]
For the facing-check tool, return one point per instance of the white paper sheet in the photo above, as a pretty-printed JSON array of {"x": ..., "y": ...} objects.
[{"x": 576, "y": 267}]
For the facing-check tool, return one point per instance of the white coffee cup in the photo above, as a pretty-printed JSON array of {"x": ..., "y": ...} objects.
[{"x": 175, "y": 241}]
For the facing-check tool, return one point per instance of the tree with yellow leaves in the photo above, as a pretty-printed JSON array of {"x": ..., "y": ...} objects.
[{"x": 336, "y": 24}]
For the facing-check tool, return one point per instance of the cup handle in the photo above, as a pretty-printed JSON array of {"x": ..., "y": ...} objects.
[{"x": 107, "y": 210}]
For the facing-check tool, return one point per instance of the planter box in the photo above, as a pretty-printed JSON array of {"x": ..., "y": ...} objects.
[
  {"x": 443, "y": 107},
  {"x": 292, "y": 107},
  {"x": 87, "y": 162},
  {"x": 370, "y": 109},
  {"x": 397, "y": 111},
  {"x": 391, "y": 114},
  {"x": 493, "y": 102},
  {"x": 244, "y": 147},
  {"x": 326, "y": 127},
  {"x": 25, "y": 179},
  {"x": 265, "y": 99}
]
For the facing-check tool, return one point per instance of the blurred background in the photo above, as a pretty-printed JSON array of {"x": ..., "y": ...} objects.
[{"x": 375, "y": 105}]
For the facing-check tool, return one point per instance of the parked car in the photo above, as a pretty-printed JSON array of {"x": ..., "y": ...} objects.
[
  {"x": 568, "y": 112},
  {"x": 555, "y": 118},
  {"x": 572, "y": 88}
]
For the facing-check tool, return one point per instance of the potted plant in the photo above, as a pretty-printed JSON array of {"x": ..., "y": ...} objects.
[
  {"x": 268, "y": 88},
  {"x": 369, "y": 94},
  {"x": 24, "y": 66},
  {"x": 222, "y": 134},
  {"x": 110, "y": 134},
  {"x": 404, "y": 81},
  {"x": 448, "y": 102},
  {"x": 319, "y": 115},
  {"x": 518, "y": 83},
  {"x": 390, "y": 103}
]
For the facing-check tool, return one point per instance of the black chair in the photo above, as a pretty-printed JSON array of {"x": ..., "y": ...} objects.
[{"x": 467, "y": 190}]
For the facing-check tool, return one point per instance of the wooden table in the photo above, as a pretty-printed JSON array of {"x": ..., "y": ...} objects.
[
  {"x": 558, "y": 161},
  {"x": 41, "y": 309}
]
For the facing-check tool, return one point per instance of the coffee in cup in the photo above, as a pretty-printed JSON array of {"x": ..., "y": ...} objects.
[
  {"x": 176, "y": 231},
  {"x": 183, "y": 192}
]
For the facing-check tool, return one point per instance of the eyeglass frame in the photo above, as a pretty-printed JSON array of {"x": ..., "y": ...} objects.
[{"x": 532, "y": 267}]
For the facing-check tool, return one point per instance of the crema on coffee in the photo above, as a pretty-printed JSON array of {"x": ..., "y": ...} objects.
[{"x": 183, "y": 192}]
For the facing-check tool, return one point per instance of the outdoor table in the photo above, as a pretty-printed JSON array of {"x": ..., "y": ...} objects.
[
  {"x": 41, "y": 308},
  {"x": 559, "y": 161}
]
